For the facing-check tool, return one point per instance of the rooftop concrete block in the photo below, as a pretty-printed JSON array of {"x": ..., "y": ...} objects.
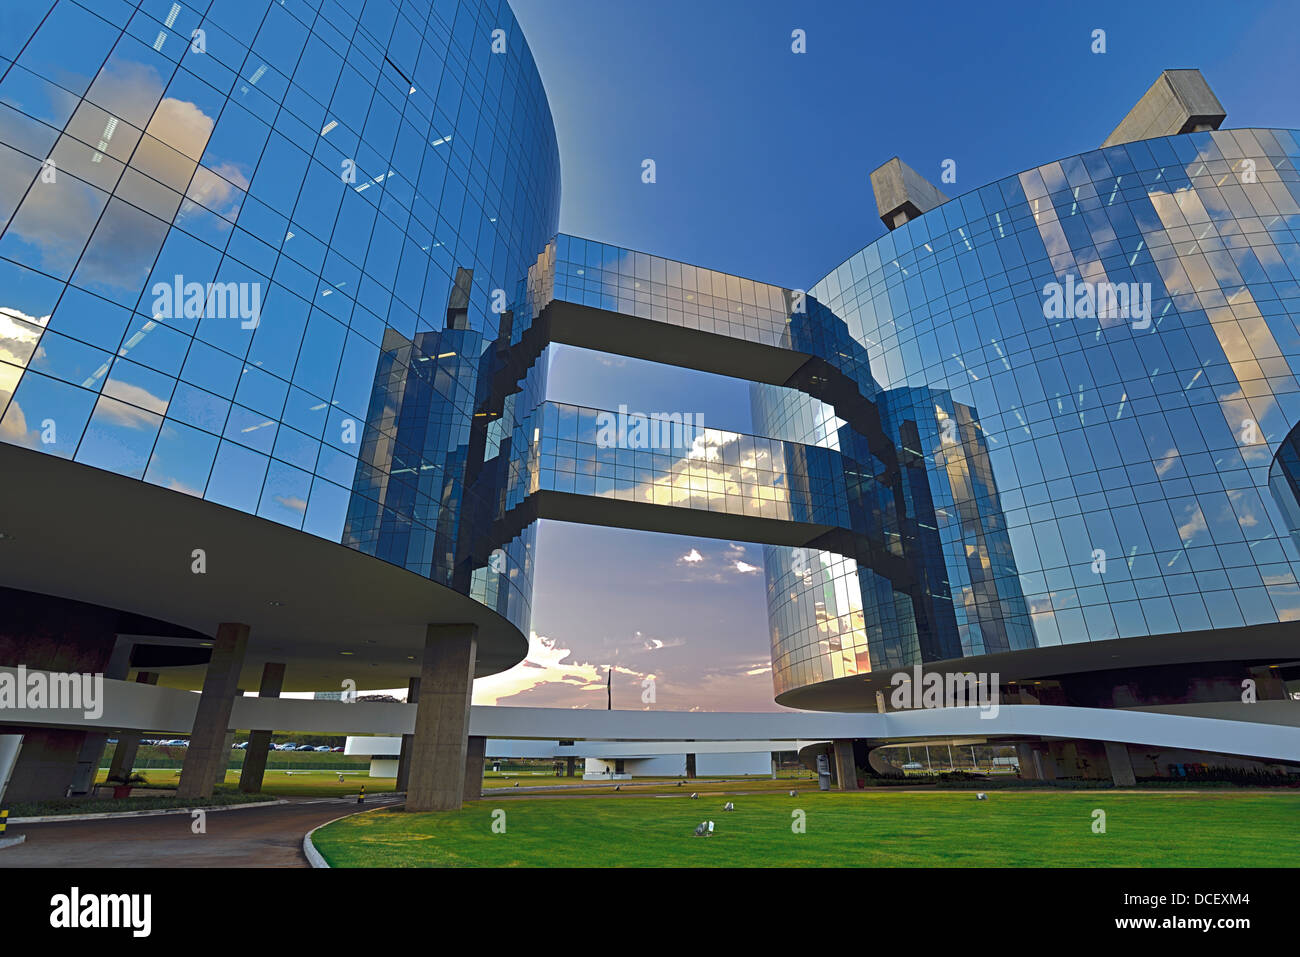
[
  {"x": 902, "y": 193},
  {"x": 1180, "y": 101}
]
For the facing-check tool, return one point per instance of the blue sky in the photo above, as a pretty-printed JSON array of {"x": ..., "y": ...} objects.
[{"x": 763, "y": 160}]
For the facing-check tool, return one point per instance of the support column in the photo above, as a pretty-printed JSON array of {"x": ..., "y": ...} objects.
[
  {"x": 404, "y": 758},
  {"x": 437, "y": 775},
  {"x": 845, "y": 770},
  {"x": 571, "y": 762},
  {"x": 1121, "y": 768},
  {"x": 92, "y": 749},
  {"x": 1029, "y": 767},
  {"x": 1047, "y": 763},
  {"x": 259, "y": 741},
  {"x": 475, "y": 752},
  {"x": 128, "y": 745},
  {"x": 228, "y": 745},
  {"x": 208, "y": 737}
]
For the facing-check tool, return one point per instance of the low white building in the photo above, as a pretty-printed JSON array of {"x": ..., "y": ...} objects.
[{"x": 610, "y": 760}]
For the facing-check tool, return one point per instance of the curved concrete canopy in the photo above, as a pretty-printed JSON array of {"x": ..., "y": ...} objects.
[
  {"x": 1264, "y": 730},
  {"x": 1259, "y": 644},
  {"x": 326, "y": 611}
]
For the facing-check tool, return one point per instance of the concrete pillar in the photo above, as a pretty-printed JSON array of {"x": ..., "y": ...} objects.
[
  {"x": 475, "y": 752},
  {"x": 92, "y": 749},
  {"x": 128, "y": 745},
  {"x": 437, "y": 775},
  {"x": 212, "y": 718},
  {"x": 46, "y": 763},
  {"x": 1030, "y": 770},
  {"x": 1121, "y": 768},
  {"x": 259, "y": 741},
  {"x": 404, "y": 757},
  {"x": 845, "y": 770},
  {"x": 571, "y": 763},
  {"x": 219, "y": 772},
  {"x": 1047, "y": 762}
]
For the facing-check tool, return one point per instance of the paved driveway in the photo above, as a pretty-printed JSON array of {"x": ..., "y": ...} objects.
[{"x": 255, "y": 837}]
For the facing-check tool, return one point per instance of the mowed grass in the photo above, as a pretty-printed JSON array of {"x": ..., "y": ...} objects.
[
  {"x": 649, "y": 785},
  {"x": 843, "y": 830},
  {"x": 317, "y": 783},
  {"x": 285, "y": 783}
]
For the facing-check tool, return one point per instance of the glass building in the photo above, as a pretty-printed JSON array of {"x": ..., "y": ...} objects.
[
  {"x": 367, "y": 174},
  {"x": 300, "y": 260},
  {"x": 1135, "y": 472}
]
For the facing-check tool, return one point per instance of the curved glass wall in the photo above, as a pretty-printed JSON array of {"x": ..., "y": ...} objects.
[
  {"x": 1120, "y": 329},
  {"x": 249, "y": 252}
]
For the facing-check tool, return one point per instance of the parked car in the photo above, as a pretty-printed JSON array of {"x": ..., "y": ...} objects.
[
  {"x": 323, "y": 747},
  {"x": 338, "y": 748},
  {"x": 304, "y": 747},
  {"x": 241, "y": 746},
  {"x": 287, "y": 746}
]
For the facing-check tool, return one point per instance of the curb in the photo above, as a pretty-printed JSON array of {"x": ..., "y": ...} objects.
[
  {"x": 157, "y": 812},
  {"x": 12, "y": 841},
  {"x": 314, "y": 857}
]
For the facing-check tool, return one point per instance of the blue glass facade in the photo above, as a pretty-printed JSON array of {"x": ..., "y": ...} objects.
[
  {"x": 1125, "y": 464},
  {"x": 364, "y": 196},
  {"x": 366, "y": 172}
]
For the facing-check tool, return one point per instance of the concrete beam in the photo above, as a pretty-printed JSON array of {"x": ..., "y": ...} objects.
[
  {"x": 902, "y": 193},
  {"x": 1179, "y": 101},
  {"x": 212, "y": 717},
  {"x": 259, "y": 740},
  {"x": 437, "y": 775}
]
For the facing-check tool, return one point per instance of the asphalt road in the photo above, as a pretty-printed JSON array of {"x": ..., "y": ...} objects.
[{"x": 253, "y": 837}]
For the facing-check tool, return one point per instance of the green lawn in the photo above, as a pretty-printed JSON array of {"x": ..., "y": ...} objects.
[
  {"x": 317, "y": 783},
  {"x": 284, "y": 783},
  {"x": 1225, "y": 829},
  {"x": 556, "y": 785}
]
